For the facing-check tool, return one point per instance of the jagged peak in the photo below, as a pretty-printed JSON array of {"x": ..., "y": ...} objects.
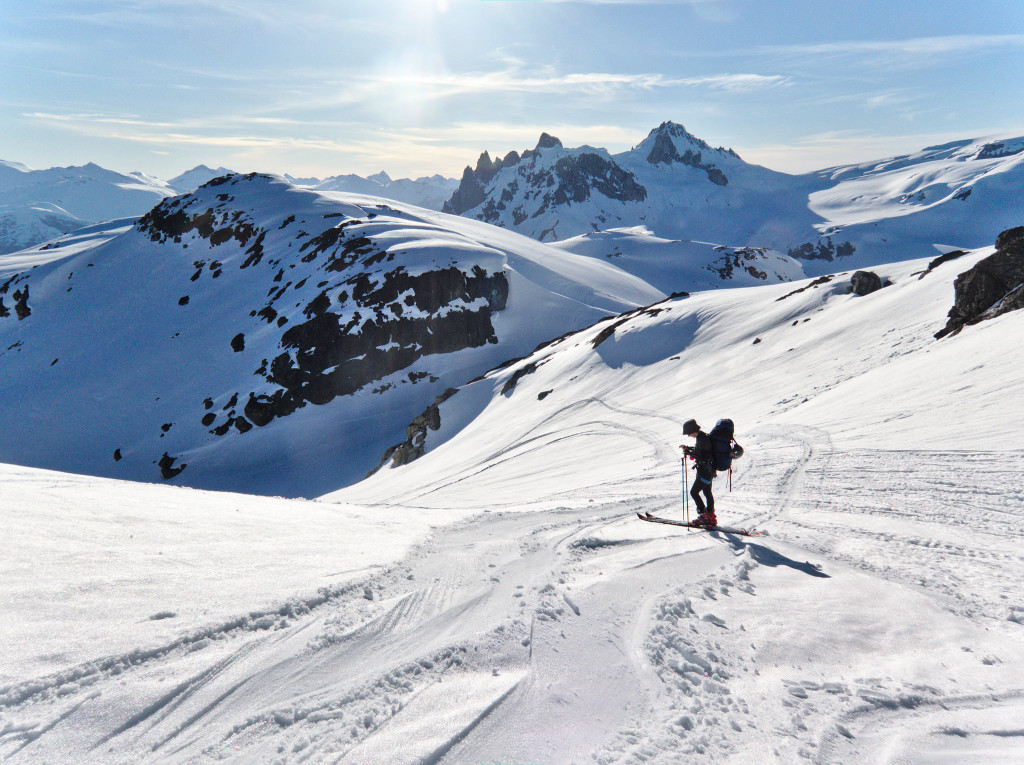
[
  {"x": 547, "y": 141},
  {"x": 484, "y": 163},
  {"x": 668, "y": 130}
]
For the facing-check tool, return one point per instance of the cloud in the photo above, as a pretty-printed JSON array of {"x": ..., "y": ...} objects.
[
  {"x": 737, "y": 82},
  {"x": 423, "y": 86},
  {"x": 910, "y": 52}
]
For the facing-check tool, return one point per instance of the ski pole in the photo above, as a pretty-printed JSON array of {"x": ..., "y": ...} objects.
[{"x": 686, "y": 503}]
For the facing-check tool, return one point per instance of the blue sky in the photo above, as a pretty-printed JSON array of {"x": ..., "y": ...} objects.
[{"x": 414, "y": 87}]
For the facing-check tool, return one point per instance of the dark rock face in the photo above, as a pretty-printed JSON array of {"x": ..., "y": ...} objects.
[
  {"x": 472, "y": 188},
  {"x": 21, "y": 303},
  {"x": 577, "y": 176},
  {"x": 993, "y": 287},
  {"x": 664, "y": 152},
  {"x": 470, "y": 193},
  {"x": 865, "y": 282},
  {"x": 743, "y": 259},
  {"x": 572, "y": 179},
  {"x": 547, "y": 141},
  {"x": 326, "y": 356},
  {"x": 21, "y": 309}
]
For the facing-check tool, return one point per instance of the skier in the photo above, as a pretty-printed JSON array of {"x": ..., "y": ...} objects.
[{"x": 703, "y": 457}]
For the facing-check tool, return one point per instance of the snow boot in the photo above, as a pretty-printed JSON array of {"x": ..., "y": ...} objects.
[{"x": 706, "y": 519}]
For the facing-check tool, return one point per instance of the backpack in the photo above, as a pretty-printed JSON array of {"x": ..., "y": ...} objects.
[{"x": 721, "y": 445}]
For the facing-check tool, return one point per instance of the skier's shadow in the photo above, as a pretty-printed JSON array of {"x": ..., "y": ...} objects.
[{"x": 768, "y": 557}]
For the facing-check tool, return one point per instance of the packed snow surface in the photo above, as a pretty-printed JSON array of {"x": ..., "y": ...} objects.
[{"x": 498, "y": 600}]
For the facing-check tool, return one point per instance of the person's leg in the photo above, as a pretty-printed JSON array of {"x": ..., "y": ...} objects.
[
  {"x": 710, "y": 498},
  {"x": 698, "y": 486},
  {"x": 706, "y": 503}
]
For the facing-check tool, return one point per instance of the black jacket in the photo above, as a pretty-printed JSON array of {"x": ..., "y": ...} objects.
[{"x": 703, "y": 455}]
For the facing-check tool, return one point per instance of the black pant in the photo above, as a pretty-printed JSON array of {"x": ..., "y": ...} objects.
[{"x": 702, "y": 484}]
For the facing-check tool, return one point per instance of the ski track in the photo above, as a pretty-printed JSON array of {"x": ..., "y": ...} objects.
[{"x": 495, "y": 637}]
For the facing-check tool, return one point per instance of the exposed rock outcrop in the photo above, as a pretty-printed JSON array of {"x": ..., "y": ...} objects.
[
  {"x": 993, "y": 287},
  {"x": 865, "y": 282},
  {"x": 329, "y": 356},
  {"x": 416, "y": 435}
]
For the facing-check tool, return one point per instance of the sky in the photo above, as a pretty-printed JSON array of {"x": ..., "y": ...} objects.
[{"x": 417, "y": 87}]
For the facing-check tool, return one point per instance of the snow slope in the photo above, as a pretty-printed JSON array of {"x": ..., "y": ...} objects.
[
  {"x": 674, "y": 266},
  {"x": 257, "y": 337},
  {"x": 958, "y": 194},
  {"x": 539, "y": 620}
]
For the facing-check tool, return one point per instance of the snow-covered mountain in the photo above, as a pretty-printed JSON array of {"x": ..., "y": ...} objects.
[
  {"x": 681, "y": 188},
  {"x": 255, "y": 336},
  {"x": 39, "y": 205},
  {"x": 497, "y": 599},
  {"x": 431, "y": 192},
  {"x": 959, "y": 195},
  {"x": 194, "y": 178},
  {"x": 673, "y": 183}
]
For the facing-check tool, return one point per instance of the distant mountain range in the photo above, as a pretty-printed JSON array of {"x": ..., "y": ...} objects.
[
  {"x": 678, "y": 187},
  {"x": 673, "y": 185},
  {"x": 39, "y": 205}
]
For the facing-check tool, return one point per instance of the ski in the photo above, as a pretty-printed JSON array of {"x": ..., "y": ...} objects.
[{"x": 724, "y": 529}]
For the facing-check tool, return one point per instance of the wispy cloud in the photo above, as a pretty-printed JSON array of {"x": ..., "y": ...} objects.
[
  {"x": 420, "y": 86},
  {"x": 737, "y": 82},
  {"x": 916, "y": 51},
  {"x": 589, "y": 82}
]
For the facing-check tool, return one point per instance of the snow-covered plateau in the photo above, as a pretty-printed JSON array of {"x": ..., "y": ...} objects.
[{"x": 497, "y": 600}]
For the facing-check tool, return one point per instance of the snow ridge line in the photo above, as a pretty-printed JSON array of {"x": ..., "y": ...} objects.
[{"x": 255, "y": 621}]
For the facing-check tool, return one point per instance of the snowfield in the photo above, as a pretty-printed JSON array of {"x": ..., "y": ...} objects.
[{"x": 497, "y": 600}]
